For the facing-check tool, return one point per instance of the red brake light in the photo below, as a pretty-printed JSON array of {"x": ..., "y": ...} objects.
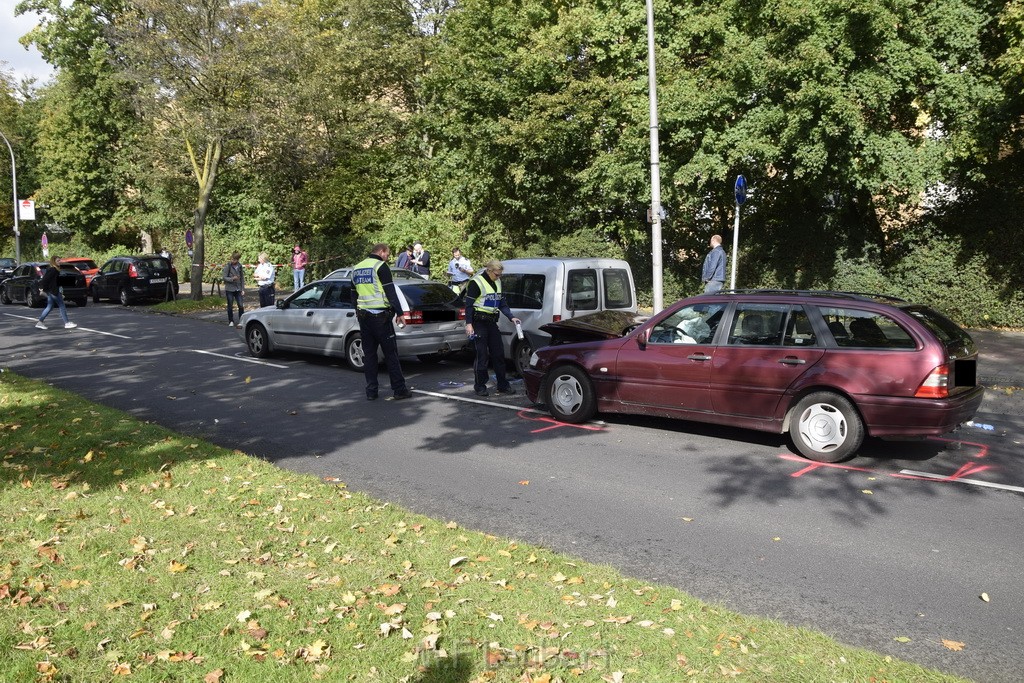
[
  {"x": 556, "y": 318},
  {"x": 413, "y": 317},
  {"x": 462, "y": 314},
  {"x": 132, "y": 270},
  {"x": 936, "y": 385}
]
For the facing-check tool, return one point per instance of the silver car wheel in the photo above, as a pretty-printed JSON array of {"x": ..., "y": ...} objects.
[
  {"x": 566, "y": 394},
  {"x": 823, "y": 427},
  {"x": 354, "y": 352}
]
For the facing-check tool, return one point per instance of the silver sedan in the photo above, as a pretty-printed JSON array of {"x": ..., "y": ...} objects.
[{"x": 321, "y": 319}]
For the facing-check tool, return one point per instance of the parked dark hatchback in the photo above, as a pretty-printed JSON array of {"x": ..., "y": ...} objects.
[
  {"x": 23, "y": 286},
  {"x": 7, "y": 266},
  {"x": 131, "y": 278},
  {"x": 826, "y": 367}
]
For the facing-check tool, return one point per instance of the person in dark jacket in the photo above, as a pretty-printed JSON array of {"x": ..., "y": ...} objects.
[{"x": 49, "y": 284}]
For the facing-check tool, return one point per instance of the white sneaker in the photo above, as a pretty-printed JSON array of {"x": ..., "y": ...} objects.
[
  {"x": 230, "y": 324},
  {"x": 70, "y": 326},
  {"x": 40, "y": 325}
]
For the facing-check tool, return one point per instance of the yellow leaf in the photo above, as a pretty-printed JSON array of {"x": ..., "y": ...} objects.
[
  {"x": 524, "y": 482},
  {"x": 984, "y": 596},
  {"x": 88, "y": 457},
  {"x": 559, "y": 577},
  {"x": 117, "y": 604},
  {"x": 901, "y": 639},
  {"x": 176, "y": 567},
  {"x": 868, "y": 492},
  {"x": 953, "y": 645}
]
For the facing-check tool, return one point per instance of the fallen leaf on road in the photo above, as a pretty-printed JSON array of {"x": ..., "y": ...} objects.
[
  {"x": 984, "y": 596},
  {"x": 953, "y": 645}
]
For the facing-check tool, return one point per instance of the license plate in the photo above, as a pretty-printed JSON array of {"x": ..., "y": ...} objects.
[{"x": 158, "y": 280}]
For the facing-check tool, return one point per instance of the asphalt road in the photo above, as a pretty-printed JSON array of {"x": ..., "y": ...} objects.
[{"x": 866, "y": 552}]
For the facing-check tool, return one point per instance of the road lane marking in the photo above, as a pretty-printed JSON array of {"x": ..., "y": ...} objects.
[
  {"x": 466, "y": 399},
  {"x": 84, "y": 329},
  {"x": 245, "y": 360},
  {"x": 961, "y": 480}
]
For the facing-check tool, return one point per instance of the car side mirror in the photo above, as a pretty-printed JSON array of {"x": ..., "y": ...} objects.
[
  {"x": 642, "y": 338},
  {"x": 279, "y": 303}
]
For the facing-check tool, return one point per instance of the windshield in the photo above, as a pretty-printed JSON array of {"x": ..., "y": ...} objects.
[
  {"x": 420, "y": 294},
  {"x": 83, "y": 265},
  {"x": 943, "y": 328},
  {"x": 7, "y": 263}
]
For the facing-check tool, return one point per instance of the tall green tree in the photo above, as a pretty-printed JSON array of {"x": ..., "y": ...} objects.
[{"x": 194, "y": 79}]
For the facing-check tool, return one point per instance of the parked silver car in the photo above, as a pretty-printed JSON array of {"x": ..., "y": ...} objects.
[{"x": 321, "y": 319}]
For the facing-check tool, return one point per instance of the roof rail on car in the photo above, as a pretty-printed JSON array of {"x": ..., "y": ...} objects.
[{"x": 862, "y": 296}]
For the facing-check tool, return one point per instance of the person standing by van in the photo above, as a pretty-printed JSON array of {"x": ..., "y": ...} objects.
[
  {"x": 49, "y": 284},
  {"x": 713, "y": 273},
  {"x": 484, "y": 303}
]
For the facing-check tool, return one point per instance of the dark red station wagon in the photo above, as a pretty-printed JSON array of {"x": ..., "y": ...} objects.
[{"x": 826, "y": 367}]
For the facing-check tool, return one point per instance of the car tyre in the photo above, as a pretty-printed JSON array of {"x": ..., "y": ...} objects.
[
  {"x": 570, "y": 394},
  {"x": 354, "y": 351},
  {"x": 5, "y": 296},
  {"x": 825, "y": 427},
  {"x": 34, "y": 298},
  {"x": 122, "y": 296},
  {"x": 257, "y": 340},
  {"x": 521, "y": 352}
]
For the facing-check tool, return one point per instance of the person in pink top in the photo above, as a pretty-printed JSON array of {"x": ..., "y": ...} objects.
[{"x": 299, "y": 261}]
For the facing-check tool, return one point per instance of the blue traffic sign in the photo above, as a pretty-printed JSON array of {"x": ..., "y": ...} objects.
[{"x": 741, "y": 190}]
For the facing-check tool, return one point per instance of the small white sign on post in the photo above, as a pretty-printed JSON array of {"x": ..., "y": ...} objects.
[{"x": 26, "y": 209}]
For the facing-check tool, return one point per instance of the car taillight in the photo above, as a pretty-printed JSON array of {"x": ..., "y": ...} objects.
[
  {"x": 556, "y": 318},
  {"x": 462, "y": 314},
  {"x": 936, "y": 385},
  {"x": 174, "y": 272},
  {"x": 132, "y": 270},
  {"x": 413, "y": 317}
]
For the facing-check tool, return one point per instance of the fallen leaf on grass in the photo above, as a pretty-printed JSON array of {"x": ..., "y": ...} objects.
[
  {"x": 176, "y": 567},
  {"x": 214, "y": 676},
  {"x": 457, "y": 560}
]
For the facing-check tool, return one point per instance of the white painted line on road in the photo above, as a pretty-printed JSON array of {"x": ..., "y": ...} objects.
[
  {"x": 246, "y": 360},
  {"x": 466, "y": 399},
  {"x": 976, "y": 482},
  {"x": 84, "y": 329}
]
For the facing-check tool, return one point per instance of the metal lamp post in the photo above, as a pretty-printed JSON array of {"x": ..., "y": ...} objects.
[
  {"x": 656, "y": 262},
  {"x": 14, "y": 192}
]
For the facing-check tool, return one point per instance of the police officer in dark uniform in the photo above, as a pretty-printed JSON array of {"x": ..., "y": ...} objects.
[
  {"x": 378, "y": 309},
  {"x": 484, "y": 302}
]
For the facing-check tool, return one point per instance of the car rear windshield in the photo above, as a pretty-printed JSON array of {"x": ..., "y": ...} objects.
[
  {"x": 943, "y": 328},
  {"x": 83, "y": 265},
  {"x": 421, "y": 294},
  {"x": 7, "y": 263},
  {"x": 154, "y": 264}
]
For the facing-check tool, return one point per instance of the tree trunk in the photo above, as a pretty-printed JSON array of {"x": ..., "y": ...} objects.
[{"x": 206, "y": 179}]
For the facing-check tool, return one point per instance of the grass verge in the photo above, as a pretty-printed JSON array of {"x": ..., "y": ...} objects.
[
  {"x": 129, "y": 551},
  {"x": 187, "y": 305}
]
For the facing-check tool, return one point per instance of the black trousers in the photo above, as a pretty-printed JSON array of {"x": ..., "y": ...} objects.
[
  {"x": 378, "y": 331},
  {"x": 267, "y": 295},
  {"x": 488, "y": 347}
]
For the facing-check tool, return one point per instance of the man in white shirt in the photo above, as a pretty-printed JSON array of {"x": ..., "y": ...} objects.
[{"x": 459, "y": 270}]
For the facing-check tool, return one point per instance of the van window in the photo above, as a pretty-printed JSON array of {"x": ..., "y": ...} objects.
[
  {"x": 617, "y": 292},
  {"x": 523, "y": 290},
  {"x": 582, "y": 290}
]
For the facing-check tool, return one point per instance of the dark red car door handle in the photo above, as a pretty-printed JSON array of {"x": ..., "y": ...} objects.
[
  {"x": 790, "y": 360},
  {"x": 698, "y": 356}
]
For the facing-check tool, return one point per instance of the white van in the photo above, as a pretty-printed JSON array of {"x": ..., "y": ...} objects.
[{"x": 545, "y": 290}]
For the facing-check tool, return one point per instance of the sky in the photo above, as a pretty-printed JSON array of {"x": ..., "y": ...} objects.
[{"x": 14, "y": 58}]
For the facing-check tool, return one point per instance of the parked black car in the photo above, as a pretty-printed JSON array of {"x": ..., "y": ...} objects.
[
  {"x": 7, "y": 266},
  {"x": 131, "y": 278},
  {"x": 23, "y": 286}
]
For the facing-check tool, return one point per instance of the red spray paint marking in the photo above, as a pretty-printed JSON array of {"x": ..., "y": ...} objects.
[
  {"x": 965, "y": 470},
  {"x": 555, "y": 424}
]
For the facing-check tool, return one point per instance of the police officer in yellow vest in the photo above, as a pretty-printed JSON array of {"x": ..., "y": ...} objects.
[
  {"x": 377, "y": 309},
  {"x": 484, "y": 301}
]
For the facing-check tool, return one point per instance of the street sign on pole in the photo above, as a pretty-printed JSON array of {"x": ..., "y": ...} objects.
[
  {"x": 27, "y": 210},
  {"x": 741, "y": 190}
]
